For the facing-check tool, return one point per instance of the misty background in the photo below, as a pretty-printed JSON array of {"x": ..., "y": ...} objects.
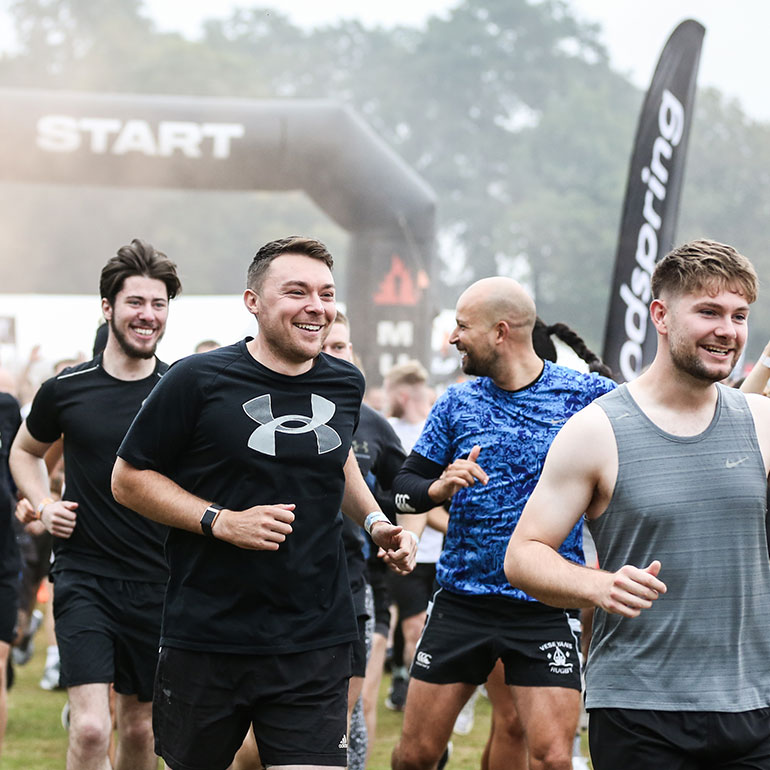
[{"x": 510, "y": 111}]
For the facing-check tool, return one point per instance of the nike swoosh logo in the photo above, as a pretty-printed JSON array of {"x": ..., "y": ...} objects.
[{"x": 734, "y": 463}]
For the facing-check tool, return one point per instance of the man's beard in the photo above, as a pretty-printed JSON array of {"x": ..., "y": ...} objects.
[
  {"x": 689, "y": 363},
  {"x": 128, "y": 348},
  {"x": 475, "y": 366}
]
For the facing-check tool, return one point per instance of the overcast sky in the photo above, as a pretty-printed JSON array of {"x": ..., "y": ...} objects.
[{"x": 736, "y": 54}]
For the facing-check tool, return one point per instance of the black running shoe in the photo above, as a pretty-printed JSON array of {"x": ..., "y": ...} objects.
[{"x": 397, "y": 695}]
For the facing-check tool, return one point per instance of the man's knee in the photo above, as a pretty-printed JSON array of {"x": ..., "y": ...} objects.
[
  {"x": 550, "y": 721},
  {"x": 90, "y": 733},
  {"x": 553, "y": 758},
  {"x": 550, "y": 752},
  {"x": 138, "y": 731},
  {"x": 415, "y": 754}
]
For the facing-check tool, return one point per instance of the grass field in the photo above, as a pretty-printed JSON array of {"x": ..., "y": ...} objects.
[{"x": 36, "y": 740}]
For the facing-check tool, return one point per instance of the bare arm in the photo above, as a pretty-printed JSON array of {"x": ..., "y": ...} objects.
[
  {"x": 261, "y": 527},
  {"x": 30, "y": 473},
  {"x": 760, "y": 410},
  {"x": 54, "y": 454},
  {"x": 438, "y": 518},
  {"x": 398, "y": 546},
  {"x": 413, "y": 522},
  {"x": 575, "y": 481},
  {"x": 756, "y": 379}
]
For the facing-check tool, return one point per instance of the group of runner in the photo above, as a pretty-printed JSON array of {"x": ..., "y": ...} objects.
[{"x": 200, "y": 565}]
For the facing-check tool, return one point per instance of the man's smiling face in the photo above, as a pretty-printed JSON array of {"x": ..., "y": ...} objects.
[{"x": 295, "y": 307}]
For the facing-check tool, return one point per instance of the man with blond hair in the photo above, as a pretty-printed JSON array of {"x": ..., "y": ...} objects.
[
  {"x": 671, "y": 472},
  {"x": 409, "y": 400}
]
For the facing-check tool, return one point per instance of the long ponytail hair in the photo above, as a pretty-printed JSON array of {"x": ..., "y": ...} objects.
[{"x": 544, "y": 347}]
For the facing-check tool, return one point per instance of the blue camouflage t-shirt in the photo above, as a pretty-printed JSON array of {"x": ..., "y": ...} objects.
[{"x": 514, "y": 430}]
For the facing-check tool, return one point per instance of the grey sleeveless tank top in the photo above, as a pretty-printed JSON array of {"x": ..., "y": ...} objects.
[{"x": 698, "y": 504}]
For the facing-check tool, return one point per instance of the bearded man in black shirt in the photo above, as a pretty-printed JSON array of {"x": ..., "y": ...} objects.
[
  {"x": 245, "y": 451},
  {"x": 109, "y": 570}
]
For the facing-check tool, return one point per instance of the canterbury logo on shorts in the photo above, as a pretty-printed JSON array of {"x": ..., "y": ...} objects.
[
  {"x": 263, "y": 438},
  {"x": 403, "y": 504}
]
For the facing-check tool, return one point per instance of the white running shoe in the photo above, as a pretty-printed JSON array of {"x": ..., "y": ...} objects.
[{"x": 50, "y": 679}]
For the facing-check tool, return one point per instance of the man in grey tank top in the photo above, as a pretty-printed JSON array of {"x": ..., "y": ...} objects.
[{"x": 671, "y": 472}]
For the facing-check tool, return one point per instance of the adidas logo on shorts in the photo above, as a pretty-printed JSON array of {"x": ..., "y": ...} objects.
[{"x": 343, "y": 744}]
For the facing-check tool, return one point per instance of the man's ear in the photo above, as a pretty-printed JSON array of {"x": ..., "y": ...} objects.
[
  {"x": 251, "y": 300},
  {"x": 106, "y": 309},
  {"x": 659, "y": 315}
]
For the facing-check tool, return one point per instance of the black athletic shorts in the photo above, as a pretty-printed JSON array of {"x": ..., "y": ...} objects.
[
  {"x": 635, "y": 739},
  {"x": 411, "y": 593},
  {"x": 297, "y": 703},
  {"x": 377, "y": 577},
  {"x": 465, "y": 635},
  {"x": 107, "y": 631},
  {"x": 9, "y": 598}
]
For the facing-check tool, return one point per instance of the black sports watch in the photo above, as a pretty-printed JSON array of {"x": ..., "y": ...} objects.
[{"x": 208, "y": 519}]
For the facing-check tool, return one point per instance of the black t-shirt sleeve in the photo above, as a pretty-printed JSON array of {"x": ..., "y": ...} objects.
[
  {"x": 410, "y": 487},
  {"x": 43, "y": 419},
  {"x": 15, "y": 420},
  {"x": 390, "y": 459},
  {"x": 10, "y": 421},
  {"x": 163, "y": 427}
]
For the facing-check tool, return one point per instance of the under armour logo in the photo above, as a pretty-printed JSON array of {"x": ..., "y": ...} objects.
[{"x": 263, "y": 438}]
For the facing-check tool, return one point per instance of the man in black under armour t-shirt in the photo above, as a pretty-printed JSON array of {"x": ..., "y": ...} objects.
[
  {"x": 245, "y": 452},
  {"x": 109, "y": 570}
]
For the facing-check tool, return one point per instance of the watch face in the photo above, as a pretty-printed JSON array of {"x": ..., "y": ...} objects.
[{"x": 208, "y": 519}]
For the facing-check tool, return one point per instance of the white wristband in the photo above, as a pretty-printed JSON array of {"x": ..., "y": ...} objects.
[
  {"x": 414, "y": 535},
  {"x": 372, "y": 518},
  {"x": 765, "y": 361}
]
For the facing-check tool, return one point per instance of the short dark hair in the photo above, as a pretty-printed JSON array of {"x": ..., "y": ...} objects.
[
  {"x": 704, "y": 265},
  {"x": 294, "y": 244},
  {"x": 139, "y": 258}
]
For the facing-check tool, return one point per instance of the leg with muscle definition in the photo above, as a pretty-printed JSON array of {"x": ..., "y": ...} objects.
[{"x": 429, "y": 716}]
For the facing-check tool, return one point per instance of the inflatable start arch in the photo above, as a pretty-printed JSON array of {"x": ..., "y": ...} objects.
[{"x": 319, "y": 147}]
